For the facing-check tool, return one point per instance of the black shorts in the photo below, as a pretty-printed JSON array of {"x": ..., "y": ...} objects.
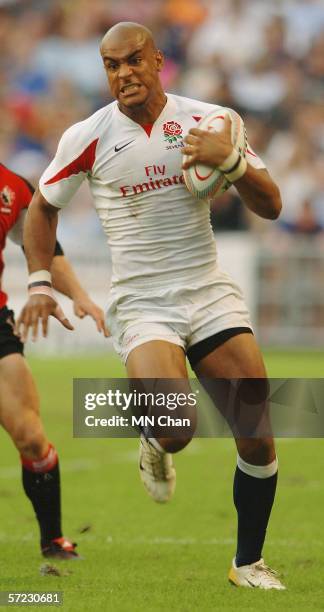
[
  {"x": 204, "y": 347},
  {"x": 9, "y": 343}
]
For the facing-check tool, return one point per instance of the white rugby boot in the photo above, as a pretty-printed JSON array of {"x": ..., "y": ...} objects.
[
  {"x": 157, "y": 472},
  {"x": 256, "y": 575}
]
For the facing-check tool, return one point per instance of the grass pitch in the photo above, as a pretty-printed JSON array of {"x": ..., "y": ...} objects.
[{"x": 142, "y": 556}]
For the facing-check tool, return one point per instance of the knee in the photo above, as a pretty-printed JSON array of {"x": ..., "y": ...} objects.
[
  {"x": 256, "y": 451},
  {"x": 175, "y": 432}
]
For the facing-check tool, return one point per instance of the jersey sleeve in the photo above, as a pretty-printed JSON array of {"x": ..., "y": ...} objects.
[{"x": 72, "y": 163}]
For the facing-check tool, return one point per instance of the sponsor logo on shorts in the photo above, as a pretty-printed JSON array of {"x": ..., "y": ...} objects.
[{"x": 129, "y": 339}]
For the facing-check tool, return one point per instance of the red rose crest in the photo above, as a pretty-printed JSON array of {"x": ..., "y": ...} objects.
[{"x": 172, "y": 131}]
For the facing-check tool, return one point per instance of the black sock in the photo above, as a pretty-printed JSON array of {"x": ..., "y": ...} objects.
[
  {"x": 253, "y": 499},
  {"x": 44, "y": 491}
]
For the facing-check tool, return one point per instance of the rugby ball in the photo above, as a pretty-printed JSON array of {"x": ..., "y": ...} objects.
[{"x": 205, "y": 182}]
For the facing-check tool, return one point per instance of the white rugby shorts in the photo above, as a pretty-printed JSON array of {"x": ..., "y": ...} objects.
[{"x": 177, "y": 314}]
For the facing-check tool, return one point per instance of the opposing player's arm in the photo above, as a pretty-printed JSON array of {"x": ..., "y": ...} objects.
[
  {"x": 255, "y": 185},
  {"x": 65, "y": 281}
]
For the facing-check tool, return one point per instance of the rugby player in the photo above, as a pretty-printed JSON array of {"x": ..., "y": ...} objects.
[
  {"x": 168, "y": 296},
  {"x": 19, "y": 402}
]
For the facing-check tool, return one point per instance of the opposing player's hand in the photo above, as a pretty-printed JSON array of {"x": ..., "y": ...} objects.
[
  {"x": 83, "y": 306},
  {"x": 37, "y": 310},
  {"x": 210, "y": 148}
]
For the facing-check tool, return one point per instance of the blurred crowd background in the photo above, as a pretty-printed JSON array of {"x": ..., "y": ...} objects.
[{"x": 263, "y": 58}]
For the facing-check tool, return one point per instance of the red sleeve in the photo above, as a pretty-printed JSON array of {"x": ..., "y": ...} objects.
[{"x": 15, "y": 195}]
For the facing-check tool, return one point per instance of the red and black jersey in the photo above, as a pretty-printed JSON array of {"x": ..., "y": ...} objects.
[{"x": 15, "y": 195}]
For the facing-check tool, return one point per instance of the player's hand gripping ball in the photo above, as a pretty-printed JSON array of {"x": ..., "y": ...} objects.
[{"x": 206, "y": 182}]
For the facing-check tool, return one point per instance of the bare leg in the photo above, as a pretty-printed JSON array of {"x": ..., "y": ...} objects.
[
  {"x": 19, "y": 407},
  {"x": 256, "y": 473},
  {"x": 164, "y": 362},
  {"x": 240, "y": 357},
  {"x": 19, "y": 415}
]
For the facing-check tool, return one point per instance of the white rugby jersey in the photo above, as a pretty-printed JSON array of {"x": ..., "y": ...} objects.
[{"x": 156, "y": 229}]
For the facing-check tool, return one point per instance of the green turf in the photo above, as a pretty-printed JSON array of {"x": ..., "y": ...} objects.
[{"x": 141, "y": 556}]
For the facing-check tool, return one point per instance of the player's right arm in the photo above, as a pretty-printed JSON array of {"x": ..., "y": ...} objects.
[
  {"x": 73, "y": 161},
  {"x": 40, "y": 233},
  {"x": 39, "y": 244}
]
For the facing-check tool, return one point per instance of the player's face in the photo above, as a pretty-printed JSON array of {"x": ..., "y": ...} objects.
[{"x": 132, "y": 69}]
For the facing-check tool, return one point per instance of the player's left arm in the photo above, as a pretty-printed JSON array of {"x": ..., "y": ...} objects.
[
  {"x": 259, "y": 192},
  {"x": 255, "y": 185}
]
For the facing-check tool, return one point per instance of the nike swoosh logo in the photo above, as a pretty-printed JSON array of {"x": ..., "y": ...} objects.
[{"x": 123, "y": 146}]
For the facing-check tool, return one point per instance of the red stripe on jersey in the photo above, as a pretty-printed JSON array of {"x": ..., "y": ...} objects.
[
  {"x": 251, "y": 152},
  {"x": 196, "y": 118},
  {"x": 83, "y": 163},
  {"x": 148, "y": 127}
]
